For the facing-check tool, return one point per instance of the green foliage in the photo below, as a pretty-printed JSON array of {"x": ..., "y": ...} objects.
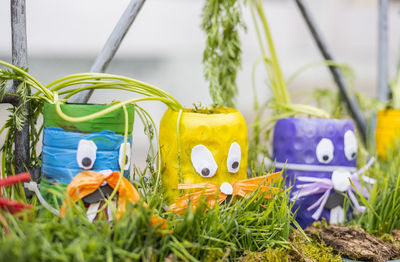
[
  {"x": 222, "y": 20},
  {"x": 19, "y": 111},
  {"x": 252, "y": 224},
  {"x": 384, "y": 202},
  {"x": 73, "y": 238},
  {"x": 281, "y": 102},
  {"x": 17, "y": 119},
  {"x": 8, "y": 147},
  {"x": 223, "y": 233},
  {"x": 198, "y": 108}
]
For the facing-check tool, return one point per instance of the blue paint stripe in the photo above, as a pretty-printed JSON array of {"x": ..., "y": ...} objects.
[
  {"x": 62, "y": 158},
  {"x": 60, "y": 148}
]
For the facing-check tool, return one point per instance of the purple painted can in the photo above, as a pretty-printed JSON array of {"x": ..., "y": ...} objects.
[{"x": 315, "y": 148}]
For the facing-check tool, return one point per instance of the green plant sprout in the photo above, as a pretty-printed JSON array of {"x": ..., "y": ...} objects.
[
  {"x": 222, "y": 55},
  {"x": 282, "y": 102}
]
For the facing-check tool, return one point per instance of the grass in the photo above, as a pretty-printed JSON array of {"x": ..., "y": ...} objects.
[
  {"x": 73, "y": 238},
  {"x": 247, "y": 230},
  {"x": 225, "y": 232},
  {"x": 384, "y": 201}
]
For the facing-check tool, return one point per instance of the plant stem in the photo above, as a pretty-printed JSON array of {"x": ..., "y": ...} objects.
[
  {"x": 38, "y": 85},
  {"x": 107, "y": 110},
  {"x": 281, "y": 86}
]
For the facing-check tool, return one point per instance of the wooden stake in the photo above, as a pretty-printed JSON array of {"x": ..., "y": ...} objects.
[
  {"x": 19, "y": 58},
  {"x": 112, "y": 45}
]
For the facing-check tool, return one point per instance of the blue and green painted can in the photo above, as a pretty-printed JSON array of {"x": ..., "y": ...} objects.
[{"x": 97, "y": 145}]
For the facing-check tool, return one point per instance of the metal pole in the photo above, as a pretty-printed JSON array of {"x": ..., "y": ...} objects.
[
  {"x": 19, "y": 58},
  {"x": 348, "y": 97},
  {"x": 383, "y": 85},
  {"x": 112, "y": 45}
]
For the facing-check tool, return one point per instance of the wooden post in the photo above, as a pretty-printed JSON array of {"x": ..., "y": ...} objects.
[
  {"x": 383, "y": 84},
  {"x": 348, "y": 97},
  {"x": 112, "y": 45},
  {"x": 19, "y": 58}
]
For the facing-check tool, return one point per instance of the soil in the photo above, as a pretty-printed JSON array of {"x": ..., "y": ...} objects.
[{"x": 354, "y": 243}]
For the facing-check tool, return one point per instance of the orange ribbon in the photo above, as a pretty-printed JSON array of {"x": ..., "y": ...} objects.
[
  {"x": 210, "y": 193},
  {"x": 87, "y": 182}
]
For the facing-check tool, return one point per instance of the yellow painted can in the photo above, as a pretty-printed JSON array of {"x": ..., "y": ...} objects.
[
  {"x": 387, "y": 130},
  {"x": 216, "y": 131}
]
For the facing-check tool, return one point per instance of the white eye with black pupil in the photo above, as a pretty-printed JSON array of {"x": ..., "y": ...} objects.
[
  {"x": 325, "y": 151},
  {"x": 203, "y": 161},
  {"x": 234, "y": 156},
  {"x": 127, "y": 155},
  {"x": 86, "y": 154},
  {"x": 350, "y": 145}
]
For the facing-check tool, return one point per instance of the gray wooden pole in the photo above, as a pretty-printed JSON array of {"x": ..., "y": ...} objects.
[
  {"x": 111, "y": 46},
  {"x": 383, "y": 84},
  {"x": 19, "y": 58},
  {"x": 348, "y": 97}
]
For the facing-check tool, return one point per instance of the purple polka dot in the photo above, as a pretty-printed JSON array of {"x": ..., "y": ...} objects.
[
  {"x": 331, "y": 129},
  {"x": 309, "y": 157},
  {"x": 298, "y": 143}
]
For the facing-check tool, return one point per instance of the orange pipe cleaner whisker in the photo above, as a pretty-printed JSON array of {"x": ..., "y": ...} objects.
[
  {"x": 210, "y": 193},
  {"x": 87, "y": 182}
]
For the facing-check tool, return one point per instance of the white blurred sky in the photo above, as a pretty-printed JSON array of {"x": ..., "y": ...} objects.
[{"x": 165, "y": 44}]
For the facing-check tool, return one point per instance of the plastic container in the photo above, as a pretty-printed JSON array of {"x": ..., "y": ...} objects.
[
  {"x": 313, "y": 148},
  {"x": 209, "y": 146},
  {"x": 387, "y": 130},
  {"x": 69, "y": 148}
]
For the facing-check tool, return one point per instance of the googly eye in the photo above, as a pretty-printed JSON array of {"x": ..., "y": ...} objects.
[
  {"x": 203, "y": 161},
  {"x": 86, "y": 154},
  {"x": 324, "y": 151},
  {"x": 234, "y": 156},
  {"x": 127, "y": 155},
  {"x": 350, "y": 145}
]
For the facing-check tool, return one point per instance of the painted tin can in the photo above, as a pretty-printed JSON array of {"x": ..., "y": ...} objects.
[
  {"x": 314, "y": 148},
  {"x": 212, "y": 147},
  {"x": 95, "y": 145},
  {"x": 387, "y": 130}
]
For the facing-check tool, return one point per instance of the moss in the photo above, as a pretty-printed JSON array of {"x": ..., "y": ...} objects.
[
  {"x": 269, "y": 255},
  {"x": 304, "y": 249},
  {"x": 301, "y": 249},
  {"x": 198, "y": 108},
  {"x": 393, "y": 238}
]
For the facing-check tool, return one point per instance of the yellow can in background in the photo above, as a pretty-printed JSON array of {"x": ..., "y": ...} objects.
[
  {"x": 211, "y": 147},
  {"x": 387, "y": 130}
]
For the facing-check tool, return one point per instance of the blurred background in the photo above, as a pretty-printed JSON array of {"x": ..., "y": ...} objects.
[{"x": 165, "y": 43}]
